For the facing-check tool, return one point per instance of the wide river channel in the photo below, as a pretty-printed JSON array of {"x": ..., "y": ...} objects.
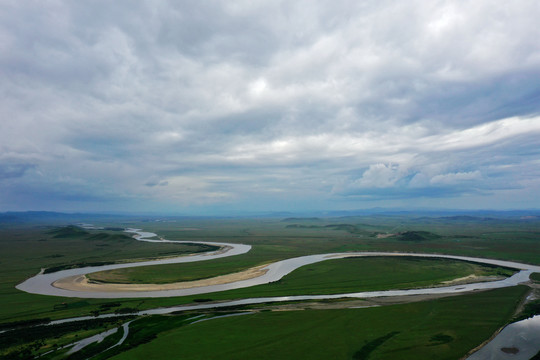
[{"x": 43, "y": 283}]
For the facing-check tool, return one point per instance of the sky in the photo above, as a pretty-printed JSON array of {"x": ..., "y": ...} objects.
[{"x": 220, "y": 107}]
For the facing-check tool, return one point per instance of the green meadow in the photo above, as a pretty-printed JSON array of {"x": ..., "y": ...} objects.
[
  {"x": 29, "y": 247},
  {"x": 369, "y": 274},
  {"x": 443, "y": 329}
]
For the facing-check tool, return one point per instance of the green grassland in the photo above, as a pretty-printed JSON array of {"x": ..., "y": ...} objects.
[
  {"x": 444, "y": 329},
  {"x": 27, "y": 247},
  {"x": 261, "y": 254},
  {"x": 26, "y": 250},
  {"x": 366, "y": 274},
  {"x": 274, "y": 240},
  {"x": 27, "y": 343},
  {"x": 356, "y": 274},
  {"x": 439, "y": 328}
]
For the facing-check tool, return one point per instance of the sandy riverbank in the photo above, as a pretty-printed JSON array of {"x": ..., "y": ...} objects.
[
  {"x": 470, "y": 279},
  {"x": 81, "y": 282}
]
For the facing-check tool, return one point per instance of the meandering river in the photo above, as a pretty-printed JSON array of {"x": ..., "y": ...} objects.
[{"x": 43, "y": 284}]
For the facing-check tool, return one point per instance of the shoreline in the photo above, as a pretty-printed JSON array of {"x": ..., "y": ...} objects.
[{"x": 82, "y": 283}]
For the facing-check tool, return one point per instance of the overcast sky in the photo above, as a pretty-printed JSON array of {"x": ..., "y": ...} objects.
[{"x": 216, "y": 107}]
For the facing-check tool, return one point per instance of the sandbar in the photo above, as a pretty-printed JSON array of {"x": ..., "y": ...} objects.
[{"x": 82, "y": 283}]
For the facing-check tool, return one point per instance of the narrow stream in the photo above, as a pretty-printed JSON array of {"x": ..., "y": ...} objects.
[{"x": 76, "y": 346}]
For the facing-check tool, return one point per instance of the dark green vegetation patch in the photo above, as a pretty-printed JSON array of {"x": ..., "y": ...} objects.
[
  {"x": 72, "y": 231},
  {"x": 25, "y": 343},
  {"x": 440, "y": 338},
  {"x": 530, "y": 309},
  {"x": 368, "y": 348},
  {"x": 68, "y": 231},
  {"x": 106, "y": 238},
  {"x": 417, "y": 236}
]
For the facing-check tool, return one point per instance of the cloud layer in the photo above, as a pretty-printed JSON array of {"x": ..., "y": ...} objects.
[{"x": 217, "y": 106}]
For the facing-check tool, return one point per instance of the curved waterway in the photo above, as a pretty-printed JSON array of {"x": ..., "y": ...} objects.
[
  {"x": 517, "y": 341},
  {"x": 43, "y": 283}
]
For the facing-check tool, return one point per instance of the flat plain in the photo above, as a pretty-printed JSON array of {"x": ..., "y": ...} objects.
[{"x": 29, "y": 246}]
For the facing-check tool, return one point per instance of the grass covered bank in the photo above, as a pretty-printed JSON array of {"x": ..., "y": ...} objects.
[
  {"x": 25, "y": 250},
  {"x": 365, "y": 273},
  {"x": 443, "y": 329},
  {"x": 27, "y": 247}
]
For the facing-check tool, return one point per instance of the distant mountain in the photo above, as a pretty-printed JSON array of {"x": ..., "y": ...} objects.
[
  {"x": 297, "y": 219},
  {"x": 68, "y": 232},
  {"x": 425, "y": 215},
  {"x": 50, "y": 217},
  {"x": 417, "y": 236}
]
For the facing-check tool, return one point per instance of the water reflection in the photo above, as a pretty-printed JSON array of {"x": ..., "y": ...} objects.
[{"x": 518, "y": 341}]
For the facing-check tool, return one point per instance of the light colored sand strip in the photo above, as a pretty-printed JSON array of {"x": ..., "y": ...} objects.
[
  {"x": 472, "y": 279},
  {"x": 81, "y": 282}
]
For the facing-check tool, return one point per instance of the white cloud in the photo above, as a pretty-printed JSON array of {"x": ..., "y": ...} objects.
[
  {"x": 379, "y": 176},
  {"x": 456, "y": 178},
  {"x": 298, "y": 97}
]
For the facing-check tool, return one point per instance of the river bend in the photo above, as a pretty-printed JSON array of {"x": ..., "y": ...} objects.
[{"x": 43, "y": 283}]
